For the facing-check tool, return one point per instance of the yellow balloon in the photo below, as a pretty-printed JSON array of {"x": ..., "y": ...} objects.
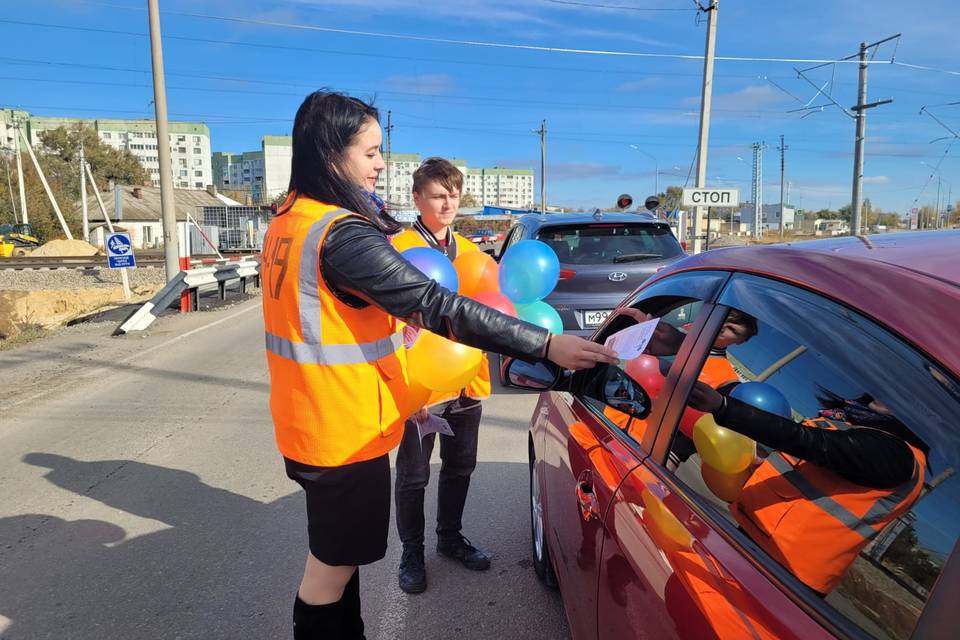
[
  {"x": 725, "y": 450},
  {"x": 668, "y": 532},
  {"x": 726, "y": 486},
  {"x": 442, "y": 365}
]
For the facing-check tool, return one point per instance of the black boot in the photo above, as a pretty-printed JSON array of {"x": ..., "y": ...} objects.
[
  {"x": 352, "y": 620},
  {"x": 459, "y": 548},
  {"x": 413, "y": 570},
  {"x": 318, "y": 621}
]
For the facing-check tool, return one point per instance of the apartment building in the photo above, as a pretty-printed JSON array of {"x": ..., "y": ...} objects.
[
  {"x": 189, "y": 142},
  {"x": 495, "y": 186},
  {"x": 263, "y": 174}
]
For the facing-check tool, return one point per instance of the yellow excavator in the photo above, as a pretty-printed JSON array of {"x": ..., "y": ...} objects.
[{"x": 17, "y": 240}]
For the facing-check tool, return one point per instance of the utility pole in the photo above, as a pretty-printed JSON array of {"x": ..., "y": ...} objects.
[
  {"x": 783, "y": 149},
  {"x": 13, "y": 202},
  {"x": 705, "y": 100},
  {"x": 46, "y": 187},
  {"x": 861, "y": 119},
  {"x": 757, "y": 189},
  {"x": 23, "y": 192},
  {"x": 171, "y": 248},
  {"x": 83, "y": 193},
  {"x": 389, "y": 153},
  {"x": 543, "y": 166},
  {"x": 936, "y": 222}
]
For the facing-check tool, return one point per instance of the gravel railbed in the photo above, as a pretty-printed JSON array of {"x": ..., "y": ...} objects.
[{"x": 32, "y": 279}]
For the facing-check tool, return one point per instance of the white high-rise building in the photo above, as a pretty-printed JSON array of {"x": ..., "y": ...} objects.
[
  {"x": 399, "y": 173},
  {"x": 263, "y": 175},
  {"x": 500, "y": 187},
  {"x": 495, "y": 186},
  {"x": 189, "y": 143}
]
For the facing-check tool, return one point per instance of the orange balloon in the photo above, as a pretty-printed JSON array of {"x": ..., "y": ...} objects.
[
  {"x": 477, "y": 273},
  {"x": 442, "y": 365},
  {"x": 726, "y": 486},
  {"x": 417, "y": 398}
]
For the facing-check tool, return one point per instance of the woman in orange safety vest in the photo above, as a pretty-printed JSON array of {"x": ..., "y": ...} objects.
[{"x": 335, "y": 291}]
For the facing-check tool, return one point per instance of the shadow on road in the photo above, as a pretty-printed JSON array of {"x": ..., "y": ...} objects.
[{"x": 226, "y": 565}]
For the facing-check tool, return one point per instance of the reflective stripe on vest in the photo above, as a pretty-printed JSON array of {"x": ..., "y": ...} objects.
[
  {"x": 864, "y": 526},
  {"x": 312, "y": 350}
]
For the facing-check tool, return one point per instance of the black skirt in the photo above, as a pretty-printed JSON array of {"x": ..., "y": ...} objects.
[{"x": 348, "y": 509}]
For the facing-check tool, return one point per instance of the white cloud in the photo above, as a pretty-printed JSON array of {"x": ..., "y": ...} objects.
[
  {"x": 876, "y": 179},
  {"x": 750, "y": 98}
]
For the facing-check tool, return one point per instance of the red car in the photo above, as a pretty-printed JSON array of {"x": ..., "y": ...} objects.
[{"x": 656, "y": 523}]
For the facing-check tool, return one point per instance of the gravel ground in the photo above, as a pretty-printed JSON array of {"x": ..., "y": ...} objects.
[{"x": 30, "y": 279}]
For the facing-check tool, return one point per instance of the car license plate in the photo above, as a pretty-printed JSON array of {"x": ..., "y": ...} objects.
[{"x": 593, "y": 318}]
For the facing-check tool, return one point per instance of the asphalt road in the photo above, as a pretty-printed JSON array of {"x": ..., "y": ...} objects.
[{"x": 141, "y": 496}]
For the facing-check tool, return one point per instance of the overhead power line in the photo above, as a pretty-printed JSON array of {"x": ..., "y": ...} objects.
[
  {"x": 473, "y": 43},
  {"x": 619, "y": 7}
]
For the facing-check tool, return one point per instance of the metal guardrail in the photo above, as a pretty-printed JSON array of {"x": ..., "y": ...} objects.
[{"x": 186, "y": 284}]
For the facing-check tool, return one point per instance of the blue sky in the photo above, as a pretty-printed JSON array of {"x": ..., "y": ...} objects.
[{"x": 483, "y": 103}]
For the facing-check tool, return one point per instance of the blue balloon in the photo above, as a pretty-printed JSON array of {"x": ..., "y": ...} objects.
[
  {"x": 529, "y": 271},
  {"x": 763, "y": 396},
  {"x": 541, "y": 314},
  {"x": 434, "y": 265}
]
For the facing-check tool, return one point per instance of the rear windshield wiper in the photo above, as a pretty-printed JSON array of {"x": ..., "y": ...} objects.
[{"x": 635, "y": 257}]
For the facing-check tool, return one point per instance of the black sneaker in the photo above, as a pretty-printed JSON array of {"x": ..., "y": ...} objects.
[
  {"x": 460, "y": 549},
  {"x": 413, "y": 572}
]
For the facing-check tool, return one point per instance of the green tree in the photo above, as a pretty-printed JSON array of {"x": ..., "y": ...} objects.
[
  {"x": 468, "y": 200},
  {"x": 279, "y": 199},
  {"x": 59, "y": 155}
]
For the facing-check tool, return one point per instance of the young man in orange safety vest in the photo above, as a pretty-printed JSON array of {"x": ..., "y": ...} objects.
[{"x": 437, "y": 186}]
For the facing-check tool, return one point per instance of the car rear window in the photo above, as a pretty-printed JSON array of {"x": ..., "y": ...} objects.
[{"x": 610, "y": 243}]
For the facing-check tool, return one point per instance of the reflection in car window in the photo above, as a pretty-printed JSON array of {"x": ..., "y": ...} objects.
[
  {"x": 832, "y": 446},
  {"x": 612, "y": 389}
]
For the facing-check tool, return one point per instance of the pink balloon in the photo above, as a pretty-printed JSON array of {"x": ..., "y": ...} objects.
[
  {"x": 645, "y": 371},
  {"x": 496, "y": 301}
]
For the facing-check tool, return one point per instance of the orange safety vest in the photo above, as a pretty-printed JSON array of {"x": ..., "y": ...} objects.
[
  {"x": 479, "y": 387},
  {"x": 811, "y": 520},
  {"x": 337, "y": 373}
]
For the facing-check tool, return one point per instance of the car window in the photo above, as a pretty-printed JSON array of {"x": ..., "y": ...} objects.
[
  {"x": 610, "y": 243},
  {"x": 625, "y": 393},
  {"x": 835, "y": 453},
  {"x": 515, "y": 236}
]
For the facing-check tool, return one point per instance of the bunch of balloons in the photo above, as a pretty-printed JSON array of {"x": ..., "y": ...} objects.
[
  {"x": 727, "y": 457},
  {"x": 528, "y": 272}
]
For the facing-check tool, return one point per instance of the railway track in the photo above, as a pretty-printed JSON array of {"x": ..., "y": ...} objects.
[{"x": 72, "y": 262}]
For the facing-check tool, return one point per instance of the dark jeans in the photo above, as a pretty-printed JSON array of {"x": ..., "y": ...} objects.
[{"x": 458, "y": 454}]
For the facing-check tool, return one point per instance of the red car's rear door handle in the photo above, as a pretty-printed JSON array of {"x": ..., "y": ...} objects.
[{"x": 589, "y": 507}]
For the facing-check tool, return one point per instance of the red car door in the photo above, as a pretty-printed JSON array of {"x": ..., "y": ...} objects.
[
  {"x": 666, "y": 572},
  {"x": 583, "y": 465}
]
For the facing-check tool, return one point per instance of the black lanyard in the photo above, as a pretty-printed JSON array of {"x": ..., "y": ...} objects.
[{"x": 450, "y": 250}]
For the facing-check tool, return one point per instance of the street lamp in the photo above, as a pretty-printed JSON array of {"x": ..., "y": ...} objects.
[{"x": 656, "y": 164}]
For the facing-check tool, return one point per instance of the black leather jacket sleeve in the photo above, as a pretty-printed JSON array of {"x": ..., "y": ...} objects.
[
  {"x": 360, "y": 265},
  {"x": 868, "y": 457}
]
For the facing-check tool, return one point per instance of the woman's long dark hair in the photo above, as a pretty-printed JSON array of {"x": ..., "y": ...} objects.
[{"x": 326, "y": 124}]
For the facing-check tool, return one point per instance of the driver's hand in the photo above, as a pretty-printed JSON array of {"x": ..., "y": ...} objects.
[
  {"x": 705, "y": 398},
  {"x": 666, "y": 339}
]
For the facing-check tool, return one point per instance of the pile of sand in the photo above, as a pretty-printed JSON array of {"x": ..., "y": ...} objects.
[{"x": 69, "y": 248}]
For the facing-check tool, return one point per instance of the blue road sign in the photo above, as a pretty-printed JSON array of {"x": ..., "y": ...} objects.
[{"x": 120, "y": 251}]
